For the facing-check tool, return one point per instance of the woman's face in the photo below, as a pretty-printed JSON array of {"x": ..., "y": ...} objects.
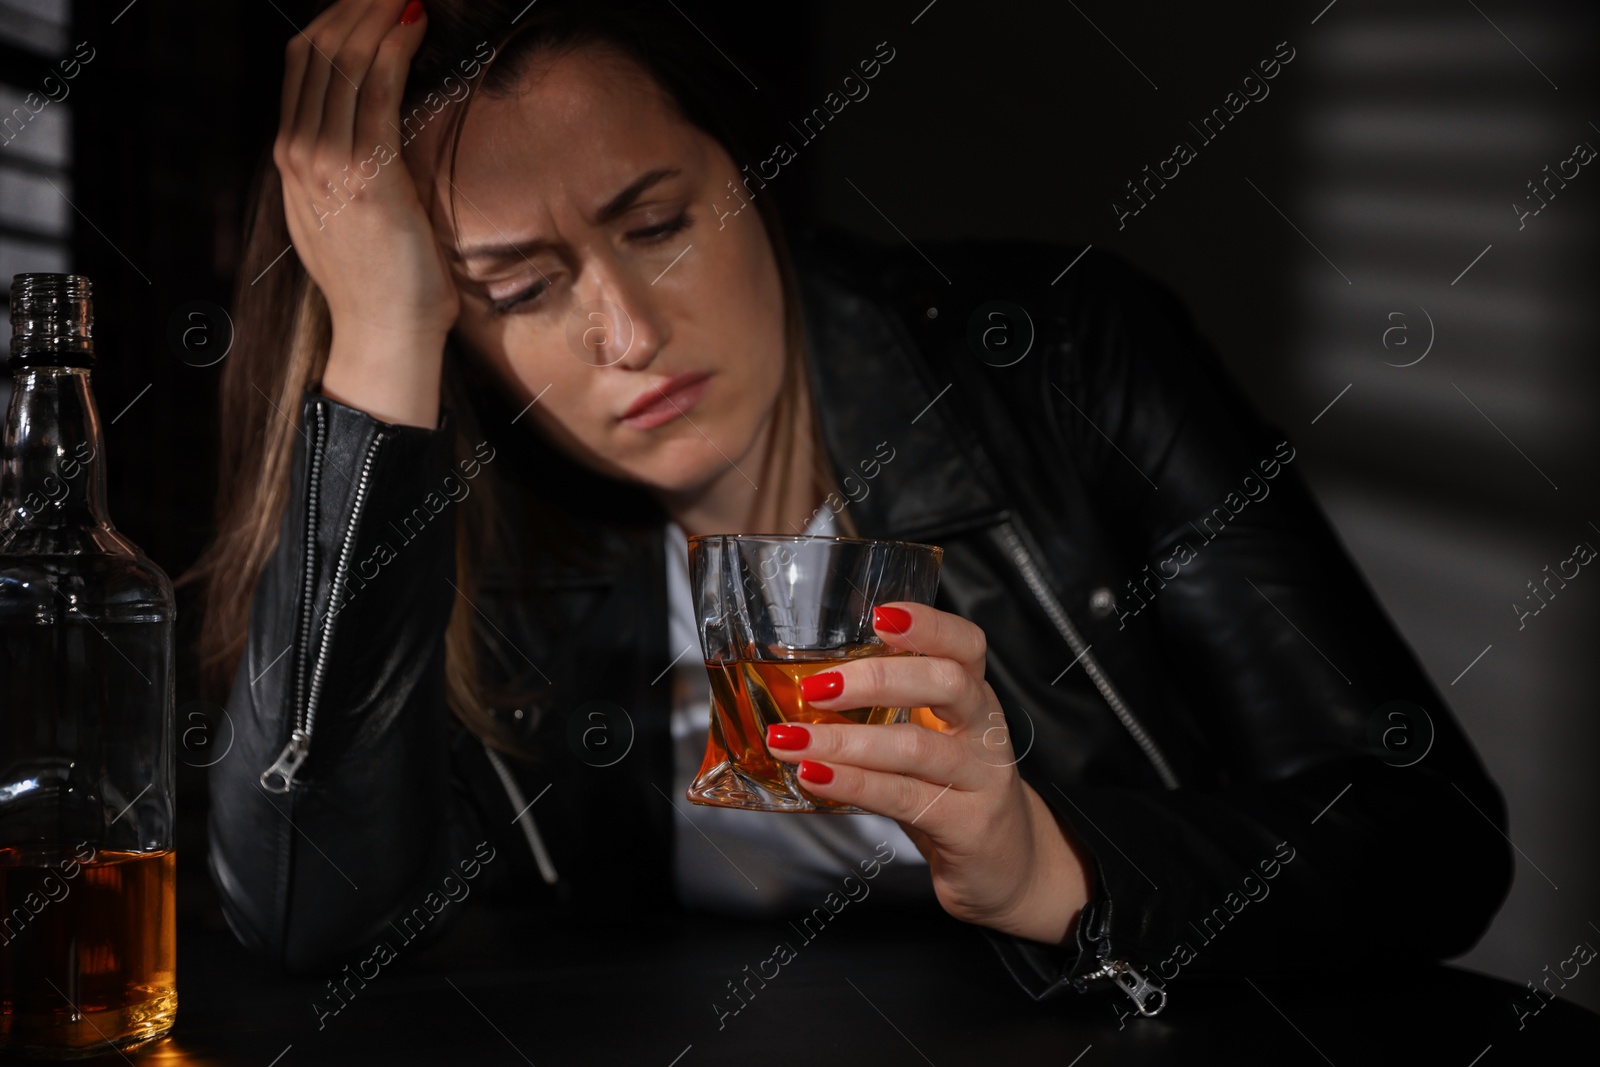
[{"x": 651, "y": 335}]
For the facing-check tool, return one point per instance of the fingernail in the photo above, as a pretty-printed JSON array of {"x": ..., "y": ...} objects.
[
  {"x": 891, "y": 620},
  {"x": 822, "y": 686},
  {"x": 788, "y": 735},
  {"x": 820, "y": 773},
  {"x": 412, "y": 13}
]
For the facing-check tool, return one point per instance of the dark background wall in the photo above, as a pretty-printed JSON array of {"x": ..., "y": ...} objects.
[{"x": 1357, "y": 217}]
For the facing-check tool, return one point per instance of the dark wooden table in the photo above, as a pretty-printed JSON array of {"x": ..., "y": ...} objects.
[{"x": 880, "y": 987}]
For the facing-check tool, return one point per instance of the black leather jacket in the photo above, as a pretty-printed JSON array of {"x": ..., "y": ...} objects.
[{"x": 1202, "y": 684}]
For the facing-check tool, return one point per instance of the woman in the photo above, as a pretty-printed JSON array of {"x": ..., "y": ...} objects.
[{"x": 519, "y": 356}]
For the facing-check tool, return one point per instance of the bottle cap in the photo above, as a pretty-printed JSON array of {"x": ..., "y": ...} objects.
[{"x": 52, "y": 321}]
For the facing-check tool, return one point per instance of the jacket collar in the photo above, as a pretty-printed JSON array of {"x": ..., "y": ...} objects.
[{"x": 879, "y": 394}]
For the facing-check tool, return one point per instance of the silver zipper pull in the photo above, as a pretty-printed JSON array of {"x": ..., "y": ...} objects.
[
  {"x": 1147, "y": 994},
  {"x": 278, "y": 777}
]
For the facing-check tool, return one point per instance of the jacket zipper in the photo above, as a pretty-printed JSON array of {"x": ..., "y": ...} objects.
[
  {"x": 1148, "y": 995},
  {"x": 294, "y": 754},
  {"x": 524, "y": 816},
  {"x": 1063, "y": 624},
  {"x": 279, "y": 777}
]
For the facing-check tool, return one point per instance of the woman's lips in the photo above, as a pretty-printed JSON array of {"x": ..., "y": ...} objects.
[{"x": 665, "y": 401}]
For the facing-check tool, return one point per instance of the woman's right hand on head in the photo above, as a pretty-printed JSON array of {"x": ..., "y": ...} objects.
[{"x": 353, "y": 208}]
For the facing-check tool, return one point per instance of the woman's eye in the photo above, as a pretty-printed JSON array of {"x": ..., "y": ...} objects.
[
  {"x": 528, "y": 295},
  {"x": 651, "y": 235},
  {"x": 665, "y": 230}
]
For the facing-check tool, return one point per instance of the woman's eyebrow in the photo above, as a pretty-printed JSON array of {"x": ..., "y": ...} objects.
[{"x": 608, "y": 211}]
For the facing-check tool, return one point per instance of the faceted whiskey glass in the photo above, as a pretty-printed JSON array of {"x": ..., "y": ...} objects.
[{"x": 774, "y": 610}]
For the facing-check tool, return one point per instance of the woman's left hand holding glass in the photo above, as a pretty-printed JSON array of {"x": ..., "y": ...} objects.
[{"x": 996, "y": 852}]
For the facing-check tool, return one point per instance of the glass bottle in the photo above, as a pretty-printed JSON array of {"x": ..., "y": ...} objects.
[{"x": 87, "y": 868}]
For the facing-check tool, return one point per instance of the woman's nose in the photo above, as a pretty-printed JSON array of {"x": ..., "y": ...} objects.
[{"x": 623, "y": 324}]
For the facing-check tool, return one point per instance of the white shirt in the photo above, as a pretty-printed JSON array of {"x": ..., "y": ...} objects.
[{"x": 759, "y": 862}]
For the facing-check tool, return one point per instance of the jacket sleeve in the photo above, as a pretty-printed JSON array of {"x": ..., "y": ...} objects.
[
  {"x": 1328, "y": 842},
  {"x": 332, "y": 810}
]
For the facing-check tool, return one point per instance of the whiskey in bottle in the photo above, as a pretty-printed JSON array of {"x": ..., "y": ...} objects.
[{"x": 87, "y": 938}]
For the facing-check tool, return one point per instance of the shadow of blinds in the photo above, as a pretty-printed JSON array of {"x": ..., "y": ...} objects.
[
  {"x": 1421, "y": 133},
  {"x": 1454, "y": 390}
]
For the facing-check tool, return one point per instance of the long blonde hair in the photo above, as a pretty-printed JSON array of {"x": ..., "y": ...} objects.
[{"x": 283, "y": 332}]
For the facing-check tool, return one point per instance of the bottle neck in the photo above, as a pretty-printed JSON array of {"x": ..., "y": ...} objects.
[{"x": 52, "y": 470}]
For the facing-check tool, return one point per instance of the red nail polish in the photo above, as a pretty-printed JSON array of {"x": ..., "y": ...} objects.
[
  {"x": 412, "y": 13},
  {"x": 788, "y": 735},
  {"x": 891, "y": 620},
  {"x": 819, "y": 773},
  {"x": 822, "y": 686}
]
